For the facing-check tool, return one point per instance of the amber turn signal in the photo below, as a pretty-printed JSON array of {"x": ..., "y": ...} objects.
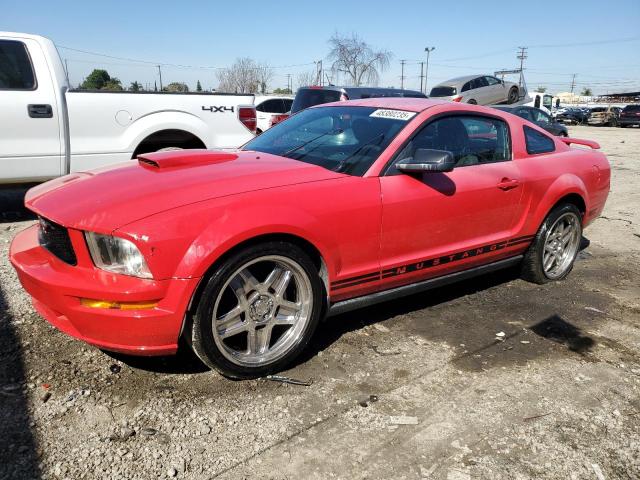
[{"x": 88, "y": 302}]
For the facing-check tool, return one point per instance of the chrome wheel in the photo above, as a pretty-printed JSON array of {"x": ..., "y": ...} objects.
[
  {"x": 262, "y": 311},
  {"x": 561, "y": 245}
]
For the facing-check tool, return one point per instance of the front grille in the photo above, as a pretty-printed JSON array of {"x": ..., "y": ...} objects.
[{"x": 55, "y": 238}]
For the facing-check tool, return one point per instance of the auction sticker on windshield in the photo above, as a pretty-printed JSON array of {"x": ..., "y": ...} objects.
[{"x": 393, "y": 114}]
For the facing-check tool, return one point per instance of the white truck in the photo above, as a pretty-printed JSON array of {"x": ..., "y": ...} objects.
[{"x": 49, "y": 130}]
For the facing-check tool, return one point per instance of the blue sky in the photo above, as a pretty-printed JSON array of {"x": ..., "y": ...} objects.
[{"x": 469, "y": 37}]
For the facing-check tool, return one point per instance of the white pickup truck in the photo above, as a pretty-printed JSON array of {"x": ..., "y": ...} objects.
[{"x": 49, "y": 130}]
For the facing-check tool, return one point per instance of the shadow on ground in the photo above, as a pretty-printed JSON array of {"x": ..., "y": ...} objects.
[{"x": 18, "y": 447}]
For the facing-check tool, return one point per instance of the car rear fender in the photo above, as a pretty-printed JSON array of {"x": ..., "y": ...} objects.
[{"x": 567, "y": 186}]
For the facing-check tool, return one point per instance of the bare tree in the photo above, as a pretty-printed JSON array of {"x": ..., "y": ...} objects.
[
  {"x": 357, "y": 59},
  {"x": 241, "y": 77},
  {"x": 306, "y": 79},
  {"x": 264, "y": 74}
]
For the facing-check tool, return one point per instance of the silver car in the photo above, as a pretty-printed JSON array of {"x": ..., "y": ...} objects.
[{"x": 477, "y": 89}]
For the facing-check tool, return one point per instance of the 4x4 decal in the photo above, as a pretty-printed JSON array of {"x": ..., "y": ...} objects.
[{"x": 218, "y": 108}]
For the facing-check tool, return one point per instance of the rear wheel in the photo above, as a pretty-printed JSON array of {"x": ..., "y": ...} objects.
[
  {"x": 258, "y": 311},
  {"x": 555, "y": 247},
  {"x": 613, "y": 122},
  {"x": 472, "y": 102},
  {"x": 513, "y": 95}
]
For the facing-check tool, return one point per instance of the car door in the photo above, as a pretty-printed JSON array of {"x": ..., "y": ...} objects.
[
  {"x": 437, "y": 223},
  {"x": 483, "y": 95},
  {"x": 30, "y": 146},
  {"x": 497, "y": 89}
]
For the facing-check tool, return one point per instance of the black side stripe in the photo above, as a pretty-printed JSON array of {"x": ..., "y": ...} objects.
[{"x": 428, "y": 263}]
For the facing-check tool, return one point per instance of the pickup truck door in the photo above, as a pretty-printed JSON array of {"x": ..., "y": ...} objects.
[
  {"x": 30, "y": 141},
  {"x": 437, "y": 223}
]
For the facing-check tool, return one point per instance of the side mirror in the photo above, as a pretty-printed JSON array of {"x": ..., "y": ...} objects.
[{"x": 427, "y": 160}]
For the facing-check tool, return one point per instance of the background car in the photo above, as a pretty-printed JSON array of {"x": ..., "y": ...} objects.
[
  {"x": 309, "y": 96},
  {"x": 477, "y": 89},
  {"x": 630, "y": 115},
  {"x": 269, "y": 106},
  {"x": 539, "y": 117},
  {"x": 601, "y": 116},
  {"x": 574, "y": 116}
]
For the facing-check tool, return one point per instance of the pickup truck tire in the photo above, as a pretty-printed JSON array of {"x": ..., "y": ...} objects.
[
  {"x": 257, "y": 311},
  {"x": 554, "y": 249},
  {"x": 169, "y": 149}
]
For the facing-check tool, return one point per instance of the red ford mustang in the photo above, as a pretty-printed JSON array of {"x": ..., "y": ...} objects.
[{"x": 340, "y": 206}]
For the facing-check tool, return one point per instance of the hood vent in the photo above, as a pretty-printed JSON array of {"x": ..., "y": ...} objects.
[{"x": 183, "y": 158}]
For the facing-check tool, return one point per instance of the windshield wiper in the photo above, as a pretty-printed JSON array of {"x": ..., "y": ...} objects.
[{"x": 294, "y": 149}]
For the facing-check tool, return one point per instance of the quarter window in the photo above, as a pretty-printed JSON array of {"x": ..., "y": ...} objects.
[
  {"x": 537, "y": 142},
  {"x": 473, "y": 139},
  {"x": 16, "y": 72}
]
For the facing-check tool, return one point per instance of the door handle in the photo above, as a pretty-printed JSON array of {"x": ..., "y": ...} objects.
[
  {"x": 508, "y": 183},
  {"x": 40, "y": 111}
]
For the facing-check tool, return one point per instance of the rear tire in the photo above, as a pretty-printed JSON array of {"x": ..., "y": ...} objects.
[
  {"x": 513, "y": 95},
  {"x": 258, "y": 311},
  {"x": 472, "y": 102},
  {"x": 554, "y": 249}
]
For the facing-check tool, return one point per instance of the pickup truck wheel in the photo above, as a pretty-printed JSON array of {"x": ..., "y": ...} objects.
[
  {"x": 513, "y": 95},
  {"x": 554, "y": 249},
  {"x": 258, "y": 311}
]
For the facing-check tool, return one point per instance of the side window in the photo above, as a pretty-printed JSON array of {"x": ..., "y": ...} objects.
[
  {"x": 541, "y": 117},
  {"x": 287, "y": 104},
  {"x": 524, "y": 113},
  {"x": 492, "y": 80},
  {"x": 466, "y": 86},
  {"x": 472, "y": 139},
  {"x": 537, "y": 142},
  {"x": 481, "y": 82},
  {"x": 16, "y": 72}
]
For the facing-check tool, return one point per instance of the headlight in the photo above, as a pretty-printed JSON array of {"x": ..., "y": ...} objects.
[{"x": 117, "y": 255}]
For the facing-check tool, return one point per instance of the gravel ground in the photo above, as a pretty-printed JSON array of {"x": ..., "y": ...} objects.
[{"x": 492, "y": 378}]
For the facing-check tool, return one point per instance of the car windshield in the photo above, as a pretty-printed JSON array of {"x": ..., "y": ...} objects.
[
  {"x": 309, "y": 97},
  {"x": 341, "y": 139}
]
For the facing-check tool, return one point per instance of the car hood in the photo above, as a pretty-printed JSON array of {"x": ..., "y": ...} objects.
[{"x": 105, "y": 199}]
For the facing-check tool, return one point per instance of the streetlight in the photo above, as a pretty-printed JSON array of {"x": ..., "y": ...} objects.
[{"x": 426, "y": 73}]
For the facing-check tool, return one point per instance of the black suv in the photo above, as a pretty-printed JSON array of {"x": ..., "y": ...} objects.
[
  {"x": 630, "y": 115},
  {"x": 309, "y": 96}
]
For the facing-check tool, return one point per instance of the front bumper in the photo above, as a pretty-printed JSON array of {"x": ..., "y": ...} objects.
[{"x": 56, "y": 289}]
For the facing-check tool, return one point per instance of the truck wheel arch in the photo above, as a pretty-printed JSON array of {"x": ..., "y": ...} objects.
[{"x": 168, "y": 138}]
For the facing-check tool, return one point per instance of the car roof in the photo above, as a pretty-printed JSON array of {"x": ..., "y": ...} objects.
[
  {"x": 463, "y": 79},
  {"x": 338, "y": 88},
  {"x": 410, "y": 104}
]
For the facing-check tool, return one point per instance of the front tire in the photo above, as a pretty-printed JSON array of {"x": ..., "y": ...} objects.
[
  {"x": 258, "y": 311},
  {"x": 513, "y": 96},
  {"x": 554, "y": 249}
]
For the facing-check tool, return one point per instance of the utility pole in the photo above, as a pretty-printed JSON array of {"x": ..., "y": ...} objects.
[
  {"x": 573, "y": 82},
  {"x": 289, "y": 83},
  {"x": 402, "y": 62},
  {"x": 66, "y": 70},
  {"x": 522, "y": 55},
  {"x": 160, "y": 73},
  {"x": 426, "y": 72},
  {"x": 319, "y": 76},
  {"x": 421, "y": 75}
]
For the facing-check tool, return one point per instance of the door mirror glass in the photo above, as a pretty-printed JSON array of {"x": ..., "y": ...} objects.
[{"x": 427, "y": 160}]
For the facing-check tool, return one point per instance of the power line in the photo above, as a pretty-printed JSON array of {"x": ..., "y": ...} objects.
[{"x": 165, "y": 64}]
